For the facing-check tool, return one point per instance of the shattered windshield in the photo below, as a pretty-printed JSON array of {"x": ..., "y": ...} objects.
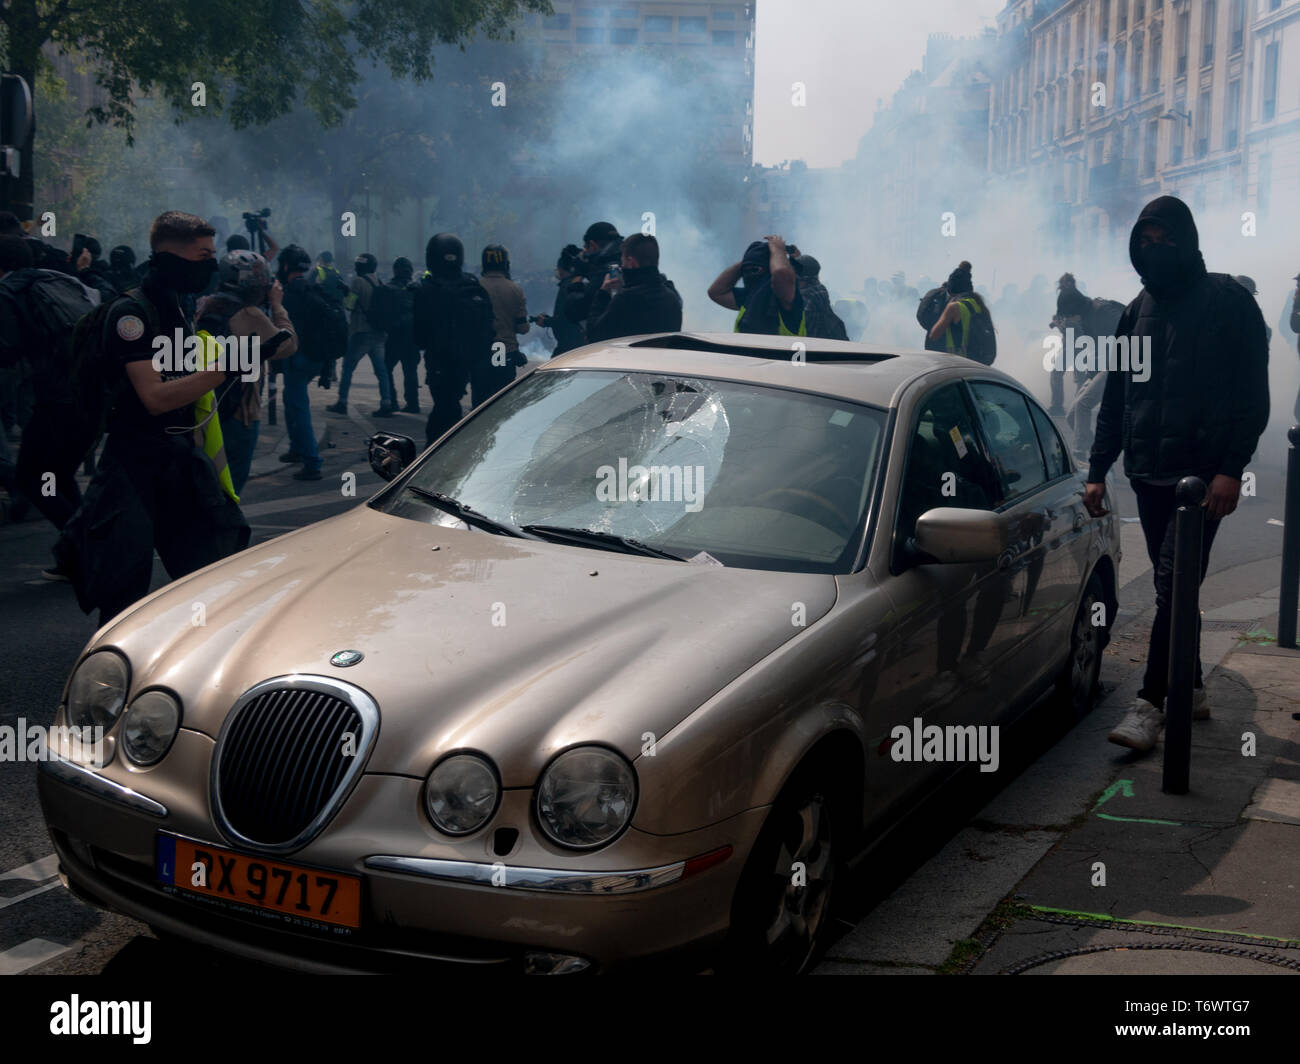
[{"x": 704, "y": 470}]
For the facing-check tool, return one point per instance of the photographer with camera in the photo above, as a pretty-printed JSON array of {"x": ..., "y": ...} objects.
[
  {"x": 637, "y": 298},
  {"x": 568, "y": 334},
  {"x": 601, "y": 249}
]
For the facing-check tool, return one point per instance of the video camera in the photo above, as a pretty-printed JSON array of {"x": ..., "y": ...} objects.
[{"x": 255, "y": 221}]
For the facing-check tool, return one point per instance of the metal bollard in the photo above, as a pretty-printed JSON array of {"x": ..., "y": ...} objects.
[
  {"x": 1289, "y": 599},
  {"x": 1184, "y": 634}
]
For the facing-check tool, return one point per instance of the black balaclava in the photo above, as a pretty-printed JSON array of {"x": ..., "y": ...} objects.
[
  {"x": 403, "y": 269},
  {"x": 1165, "y": 270},
  {"x": 187, "y": 276},
  {"x": 756, "y": 263},
  {"x": 444, "y": 255}
]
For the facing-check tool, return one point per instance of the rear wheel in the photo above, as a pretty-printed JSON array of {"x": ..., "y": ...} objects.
[
  {"x": 782, "y": 904},
  {"x": 1077, "y": 684}
]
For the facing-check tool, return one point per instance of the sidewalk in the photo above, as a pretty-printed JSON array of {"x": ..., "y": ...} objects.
[{"x": 1207, "y": 882}]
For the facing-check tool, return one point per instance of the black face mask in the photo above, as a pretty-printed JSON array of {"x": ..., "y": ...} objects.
[
  {"x": 182, "y": 275},
  {"x": 1160, "y": 264}
]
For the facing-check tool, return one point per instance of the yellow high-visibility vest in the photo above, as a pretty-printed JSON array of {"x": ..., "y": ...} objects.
[
  {"x": 781, "y": 330},
  {"x": 207, "y": 424}
]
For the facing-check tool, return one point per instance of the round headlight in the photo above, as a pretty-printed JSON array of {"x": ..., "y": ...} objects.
[
  {"x": 461, "y": 794},
  {"x": 585, "y": 797},
  {"x": 150, "y": 726},
  {"x": 98, "y": 691}
]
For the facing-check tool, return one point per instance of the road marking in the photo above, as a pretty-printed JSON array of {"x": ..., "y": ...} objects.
[
  {"x": 1275, "y": 521},
  {"x": 278, "y": 506},
  {"x": 29, "y": 954},
  {"x": 37, "y": 871},
  {"x": 6, "y": 902}
]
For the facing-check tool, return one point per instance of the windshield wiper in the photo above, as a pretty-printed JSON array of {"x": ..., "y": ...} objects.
[
  {"x": 588, "y": 537},
  {"x": 467, "y": 513}
]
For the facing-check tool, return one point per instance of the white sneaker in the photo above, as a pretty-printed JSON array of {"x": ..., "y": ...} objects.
[
  {"x": 1200, "y": 704},
  {"x": 1140, "y": 728}
]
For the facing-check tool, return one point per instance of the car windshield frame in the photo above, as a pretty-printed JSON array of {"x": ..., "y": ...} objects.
[{"x": 857, "y": 542}]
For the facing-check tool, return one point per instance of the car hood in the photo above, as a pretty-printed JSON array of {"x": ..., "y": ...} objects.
[{"x": 511, "y": 647}]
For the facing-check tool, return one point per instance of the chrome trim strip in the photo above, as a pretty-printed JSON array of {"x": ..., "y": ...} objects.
[
  {"x": 75, "y": 775},
  {"x": 540, "y": 879},
  {"x": 366, "y": 708}
]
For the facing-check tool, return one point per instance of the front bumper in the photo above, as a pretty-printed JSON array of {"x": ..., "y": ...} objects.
[{"x": 425, "y": 900}]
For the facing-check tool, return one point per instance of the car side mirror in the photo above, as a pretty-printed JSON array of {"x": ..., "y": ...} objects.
[
  {"x": 390, "y": 453},
  {"x": 950, "y": 535}
]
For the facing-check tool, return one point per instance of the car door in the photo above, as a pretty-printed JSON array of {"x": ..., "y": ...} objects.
[
  {"x": 944, "y": 629},
  {"x": 1042, "y": 500}
]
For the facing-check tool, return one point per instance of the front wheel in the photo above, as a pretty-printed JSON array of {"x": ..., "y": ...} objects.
[
  {"x": 782, "y": 903},
  {"x": 1077, "y": 684}
]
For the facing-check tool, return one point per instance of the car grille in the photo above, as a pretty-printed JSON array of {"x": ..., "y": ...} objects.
[{"x": 285, "y": 761}]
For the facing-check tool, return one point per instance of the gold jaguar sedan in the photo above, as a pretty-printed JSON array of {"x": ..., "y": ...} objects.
[{"x": 623, "y": 668}]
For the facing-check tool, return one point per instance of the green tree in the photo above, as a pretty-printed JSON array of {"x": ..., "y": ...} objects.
[{"x": 252, "y": 62}]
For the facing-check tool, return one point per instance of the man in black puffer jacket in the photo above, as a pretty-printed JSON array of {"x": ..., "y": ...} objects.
[
  {"x": 601, "y": 249},
  {"x": 642, "y": 300},
  {"x": 1194, "y": 404}
]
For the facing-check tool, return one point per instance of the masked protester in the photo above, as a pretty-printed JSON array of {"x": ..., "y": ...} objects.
[
  {"x": 601, "y": 250},
  {"x": 1192, "y": 402},
  {"x": 311, "y": 312},
  {"x": 639, "y": 299},
  {"x": 509, "y": 318},
  {"x": 162, "y": 481},
  {"x": 568, "y": 334},
  {"x": 236, "y": 311},
  {"x": 364, "y": 339},
  {"x": 764, "y": 288},
  {"x": 122, "y": 272},
  {"x": 1072, "y": 309},
  {"x": 400, "y": 346},
  {"x": 454, "y": 327}
]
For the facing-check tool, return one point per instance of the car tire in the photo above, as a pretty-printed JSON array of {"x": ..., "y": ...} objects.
[
  {"x": 779, "y": 916},
  {"x": 1076, "y": 686}
]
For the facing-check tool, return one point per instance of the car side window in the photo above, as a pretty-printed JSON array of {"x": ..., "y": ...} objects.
[
  {"x": 946, "y": 465},
  {"x": 1008, "y": 427},
  {"x": 1058, "y": 462}
]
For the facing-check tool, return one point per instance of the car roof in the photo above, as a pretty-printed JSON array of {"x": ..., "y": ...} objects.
[{"x": 862, "y": 373}]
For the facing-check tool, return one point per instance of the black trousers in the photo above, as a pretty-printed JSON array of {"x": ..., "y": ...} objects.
[
  {"x": 445, "y": 389},
  {"x": 148, "y": 494},
  {"x": 1157, "y": 507},
  {"x": 55, "y": 442},
  {"x": 486, "y": 379},
  {"x": 408, "y": 357}
]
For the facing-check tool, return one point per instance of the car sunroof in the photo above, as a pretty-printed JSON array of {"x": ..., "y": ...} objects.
[{"x": 682, "y": 342}]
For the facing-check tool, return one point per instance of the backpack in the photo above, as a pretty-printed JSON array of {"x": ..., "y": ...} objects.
[
  {"x": 42, "y": 308},
  {"x": 385, "y": 310},
  {"x": 323, "y": 330},
  {"x": 821, "y": 319},
  {"x": 1104, "y": 317},
  {"x": 982, "y": 344},
  {"x": 95, "y": 384},
  {"x": 931, "y": 307},
  {"x": 453, "y": 323}
]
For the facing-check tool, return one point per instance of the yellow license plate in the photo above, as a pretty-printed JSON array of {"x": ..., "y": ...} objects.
[{"x": 275, "y": 886}]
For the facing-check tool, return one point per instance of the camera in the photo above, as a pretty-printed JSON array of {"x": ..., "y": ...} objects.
[{"x": 255, "y": 220}]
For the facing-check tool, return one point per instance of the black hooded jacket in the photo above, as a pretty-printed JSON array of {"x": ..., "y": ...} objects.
[
  {"x": 577, "y": 307},
  {"x": 648, "y": 303},
  {"x": 452, "y": 322},
  {"x": 1204, "y": 404}
]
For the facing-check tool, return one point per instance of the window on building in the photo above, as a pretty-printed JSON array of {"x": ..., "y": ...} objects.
[
  {"x": 1078, "y": 39},
  {"x": 591, "y": 12},
  {"x": 659, "y": 24},
  {"x": 1273, "y": 5},
  {"x": 1156, "y": 56},
  {"x": 1150, "y": 136},
  {"x": 1268, "y": 95},
  {"x": 691, "y": 23},
  {"x": 724, "y": 16},
  {"x": 1208, "y": 13},
  {"x": 1179, "y": 126},
  {"x": 623, "y": 12},
  {"x": 1135, "y": 81},
  {"x": 557, "y": 22},
  {"x": 1184, "y": 28},
  {"x": 1231, "y": 115},
  {"x": 1103, "y": 21},
  {"x": 1237, "y": 26},
  {"x": 590, "y": 35},
  {"x": 1203, "y": 124},
  {"x": 532, "y": 20},
  {"x": 617, "y": 36},
  {"x": 1139, "y": 10},
  {"x": 1121, "y": 17},
  {"x": 1121, "y": 76},
  {"x": 727, "y": 37}
]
